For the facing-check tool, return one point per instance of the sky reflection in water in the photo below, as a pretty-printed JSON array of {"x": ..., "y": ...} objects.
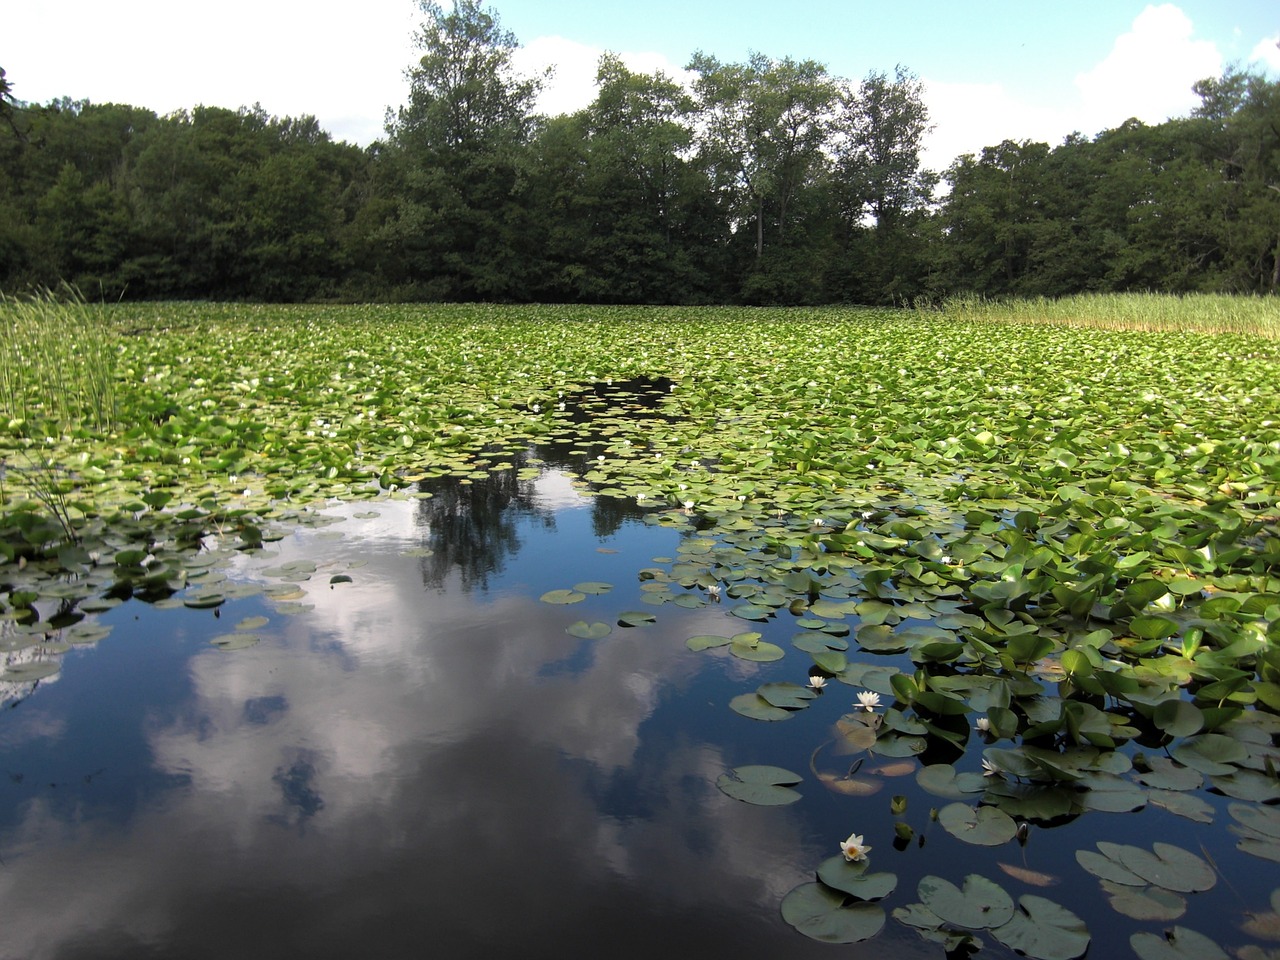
[{"x": 426, "y": 761}]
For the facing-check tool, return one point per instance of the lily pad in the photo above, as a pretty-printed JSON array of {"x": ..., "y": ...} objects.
[
  {"x": 979, "y": 905},
  {"x": 1044, "y": 930},
  {"x": 235, "y": 641},
  {"x": 983, "y": 825},
  {"x": 1176, "y": 944},
  {"x": 851, "y": 877},
  {"x": 562, "y": 596},
  {"x": 762, "y": 785},
  {"x": 595, "y": 630},
  {"x": 755, "y": 707},
  {"x": 790, "y": 696},
  {"x": 820, "y": 913},
  {"x": 1166, "y": 866},
  {"x": 31, "y": 671},
  {"x": 1144, "y": 903}
]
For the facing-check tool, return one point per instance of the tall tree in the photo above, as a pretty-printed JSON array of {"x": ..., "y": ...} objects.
[
  {"x": 457, "y": 147},
  {"x": 764, "y": 126},
  {"x": 1242, "y": 111},
  {"x": 882, "y": 128}
]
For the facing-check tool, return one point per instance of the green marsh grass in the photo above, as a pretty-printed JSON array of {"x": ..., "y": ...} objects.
[
  {"x": 57, "y": 362},
  {"x": 1153, "y": 312}
]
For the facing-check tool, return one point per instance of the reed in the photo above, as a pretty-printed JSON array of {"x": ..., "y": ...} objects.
[
  {"x": 1189, "y": 313},
  {"x": 57, "y": 362}
]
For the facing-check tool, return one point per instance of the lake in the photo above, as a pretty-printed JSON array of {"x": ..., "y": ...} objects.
[{"x": 408, "y": 752}]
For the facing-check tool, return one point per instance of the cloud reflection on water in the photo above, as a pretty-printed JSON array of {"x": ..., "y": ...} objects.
[{"x": 407, "y": 769}]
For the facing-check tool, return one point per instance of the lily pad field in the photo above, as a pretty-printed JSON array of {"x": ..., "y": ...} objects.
[{"x": 480, "y": 631}]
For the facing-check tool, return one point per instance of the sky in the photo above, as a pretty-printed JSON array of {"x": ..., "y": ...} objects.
[{"x": 992, "y": 69}]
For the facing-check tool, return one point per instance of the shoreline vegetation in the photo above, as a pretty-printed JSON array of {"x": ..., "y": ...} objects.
[{"x": 1247, "y": 315}]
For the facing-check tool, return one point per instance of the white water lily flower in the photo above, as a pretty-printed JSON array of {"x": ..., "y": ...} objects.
[
  {"x": 853, "y": 848},
  {"x": 688, "y": 504},
  {"x": 714, "y": 591},
  {"x": 868, "y": 700},
  {"x": 989, "y": 769},
  {"x": 983, "y": 725},
  {"x": 641, "y": 497},
  {"x": 817, "y": 683}
]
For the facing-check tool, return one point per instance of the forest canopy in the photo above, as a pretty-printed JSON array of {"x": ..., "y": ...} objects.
[{"x": 768, "y": 181}]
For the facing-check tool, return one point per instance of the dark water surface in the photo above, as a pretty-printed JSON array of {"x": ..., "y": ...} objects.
[{"x": 426, "y": 764}]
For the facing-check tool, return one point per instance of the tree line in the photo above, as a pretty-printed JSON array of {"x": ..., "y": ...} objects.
[{"x": 765, "y": 181}]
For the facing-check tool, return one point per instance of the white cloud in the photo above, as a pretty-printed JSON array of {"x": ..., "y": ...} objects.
[
  {"x": 572, "y": 85},
  {"x": 1267, "y": 53},
  {"x": 1149, "y": 72}
]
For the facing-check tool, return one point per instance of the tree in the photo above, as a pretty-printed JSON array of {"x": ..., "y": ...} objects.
[
  {"x": 1241, "y": 110},
  {"x": 457, "y": 150},
  {"x": 882, "y": 128},
  {"x": 764, "y": 127},
  {"x": 878, "y": 180}
]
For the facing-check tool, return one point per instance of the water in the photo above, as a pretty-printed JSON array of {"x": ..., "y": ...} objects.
[{"x": 426, "y": 763}]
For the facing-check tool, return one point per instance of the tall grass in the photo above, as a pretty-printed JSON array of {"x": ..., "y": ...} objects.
[
  {"x": 1197, "y": 312},
  {"x": 57, "y": 361}
]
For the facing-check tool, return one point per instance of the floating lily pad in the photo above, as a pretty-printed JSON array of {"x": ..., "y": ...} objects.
[
  {"x": 563, "y": 596},
  {"x": 762, "y": 785},
  {"x": 979, "y": 905},
  {"x": 851, "y": 877},
  {"x": 30, "y": 671},
  {"x": 1144, "y": 903},
  {"x": 235, "y": 641},
  {"x": 593, "y": 587},
  {"x": 759, "y": 651},
  {"x": 636, "y": 618},
  {"x": 706, "y": 642},
  {"x": 820, "y": 913},
  {"x": 1176, "y": 944},
  {"x": 983, "y": 825},
  {"x": 790, "y": 696},
  {"x": 1044, "y": 930},
  {"x": 755, "y": 707},
  {"x": 589, "y": 631}
]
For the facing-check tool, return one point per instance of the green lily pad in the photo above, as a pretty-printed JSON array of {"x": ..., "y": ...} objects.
[
  {"x": 820, "y": 913},
  {"x": 983, "y": 825},
  {"x": 979, "y": 905},
  {"x": 204, "y": 600},
  {"x": 706, "y": 642},
  {"x": 762, "y": 785},
  {"x": 851, "y": 877},
  {"x": 562, "y": 596},
  {"x": 235, "y": 641},
  {"x": 1044, "y": 930},
  {"x": 86, "y": 633},
  {"x": 755, "y": 707},
  {"x": 1144, "y": 903},
  {"x": 595, "y": 630},
  {"x": 1165, "y": 865},
  {"x": 790, "y": 696},
  {"x": 758, "y": 651},
  {"x": 593, "y": 587},
  {"x": 31, "y": 671},
  {"x": 1213, "y": 754},
  {"x": 1176, "y": 944},
  {"x": 636, "y": 618}
]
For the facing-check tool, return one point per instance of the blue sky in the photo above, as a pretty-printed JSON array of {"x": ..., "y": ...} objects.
[{"x": 1016, "y": 69}]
